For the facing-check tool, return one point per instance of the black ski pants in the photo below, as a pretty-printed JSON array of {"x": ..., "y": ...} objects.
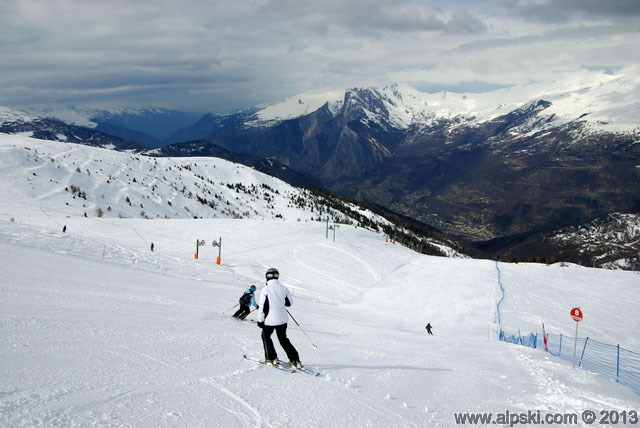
[
  {"x": 242, "y": 312},
  {"x": 270, "y": 351}
]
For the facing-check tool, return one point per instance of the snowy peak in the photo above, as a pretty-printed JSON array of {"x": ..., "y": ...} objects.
[
  {"x": 369, "y": 104},
  {"x": 402, "y": 106},
  {"x": 604, "y": 101}
]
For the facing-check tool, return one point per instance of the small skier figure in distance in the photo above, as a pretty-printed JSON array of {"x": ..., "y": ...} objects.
[
  {"x": 428, "y": 327},
  {"x": 273, "y": 316},
  {"x": 246, "y": 301}
]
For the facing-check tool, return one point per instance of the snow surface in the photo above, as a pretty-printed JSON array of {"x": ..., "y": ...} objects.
[{"x": 98, "y": 330}]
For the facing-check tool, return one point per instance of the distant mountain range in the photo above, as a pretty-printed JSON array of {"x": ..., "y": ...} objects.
[
  {"x": 496, "y": 168},
  {"x": 148, "y": 126}
]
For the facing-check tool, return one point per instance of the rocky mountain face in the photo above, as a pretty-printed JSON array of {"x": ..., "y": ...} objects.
[
  {"x": 516, "y": 171},
  {"x": 330, "y": 148}
]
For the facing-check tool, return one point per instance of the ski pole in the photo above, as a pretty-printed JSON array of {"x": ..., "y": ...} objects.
[
  {"x": 252, "y": 311},
  {"x": 237, "y": 304},
  {"x": 301, "y": 329}
]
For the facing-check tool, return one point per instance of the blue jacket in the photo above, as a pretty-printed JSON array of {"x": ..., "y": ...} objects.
[{"x": 253, "y": 298}]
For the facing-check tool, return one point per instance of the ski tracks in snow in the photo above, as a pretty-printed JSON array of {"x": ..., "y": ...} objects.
[
  {"x": 319, "y": 268},
  {"x": 224, "y": 399},
  {"x": 244, "y": 404}
]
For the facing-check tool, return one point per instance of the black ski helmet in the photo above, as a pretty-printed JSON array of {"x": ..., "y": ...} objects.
[
  {"x": 252, "y": 288},
  {"x": 272, "y": 273}
]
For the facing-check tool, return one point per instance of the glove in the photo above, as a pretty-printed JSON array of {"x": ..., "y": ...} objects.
[{"x": 261, "y": 324}]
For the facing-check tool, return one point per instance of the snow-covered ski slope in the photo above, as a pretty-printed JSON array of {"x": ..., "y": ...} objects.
[{"x": 98, "y": 330}]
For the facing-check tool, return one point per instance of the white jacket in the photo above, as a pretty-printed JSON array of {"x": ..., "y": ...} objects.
[{"x": 274, "y": 299}]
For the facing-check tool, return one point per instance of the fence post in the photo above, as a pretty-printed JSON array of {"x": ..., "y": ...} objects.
[
  {"x": 560, "y": 347},
  {"x": 618, "y": 365},
  {"x": 583, "y": 349}
]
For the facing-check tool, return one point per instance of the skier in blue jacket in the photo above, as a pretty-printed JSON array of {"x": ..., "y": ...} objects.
[{"x": 246, "y": 301}]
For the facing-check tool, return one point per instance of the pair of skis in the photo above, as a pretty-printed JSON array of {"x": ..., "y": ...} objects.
[{"x": 283, "y": 365}]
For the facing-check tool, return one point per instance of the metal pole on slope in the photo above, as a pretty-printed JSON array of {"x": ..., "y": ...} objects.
[
  {"x": 576, "y": 315},
  {"x": 301, "y": 329},
  {"x": 575, "y": 346}
]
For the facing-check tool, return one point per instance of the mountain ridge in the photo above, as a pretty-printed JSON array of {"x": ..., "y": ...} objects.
[{"x": 88, "y": 181}]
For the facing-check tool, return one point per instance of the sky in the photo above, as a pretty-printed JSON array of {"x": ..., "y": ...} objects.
[{"x": 221, "y": 56}]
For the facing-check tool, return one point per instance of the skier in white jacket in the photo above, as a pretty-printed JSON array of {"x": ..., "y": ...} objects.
[{"x": 272, "y": 315}]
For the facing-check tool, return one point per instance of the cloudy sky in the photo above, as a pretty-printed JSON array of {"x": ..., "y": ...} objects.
[{"x": 219, "y": 56}]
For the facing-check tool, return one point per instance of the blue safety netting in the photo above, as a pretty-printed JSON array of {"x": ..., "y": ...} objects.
[{"x": 612, "y": 361}]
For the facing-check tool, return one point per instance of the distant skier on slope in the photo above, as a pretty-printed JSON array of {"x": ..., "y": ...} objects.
[
  {"x": 428, "y": 327},
  {"x": 274, "y": 300},
  {"x": 246, "y": 301}
]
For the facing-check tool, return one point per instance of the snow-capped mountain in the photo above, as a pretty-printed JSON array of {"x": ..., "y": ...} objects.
[{"x": 606, "y": 102}]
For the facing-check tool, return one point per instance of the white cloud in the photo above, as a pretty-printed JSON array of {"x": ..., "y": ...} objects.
[{"x": 224, "y": 55}]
